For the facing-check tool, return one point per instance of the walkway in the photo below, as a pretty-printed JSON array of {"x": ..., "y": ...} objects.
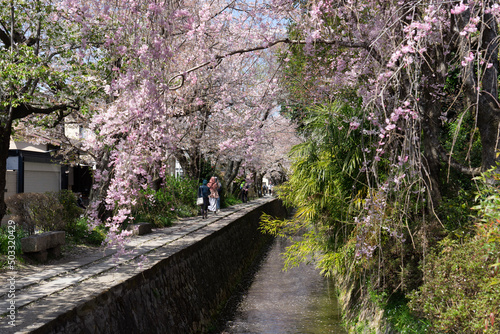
[{"x": 44, "y": 295}]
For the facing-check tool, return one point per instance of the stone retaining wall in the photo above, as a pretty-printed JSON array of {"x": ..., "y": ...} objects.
[{"x": 181, "y": 293}]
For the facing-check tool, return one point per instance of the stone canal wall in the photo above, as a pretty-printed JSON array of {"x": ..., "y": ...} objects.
[{"x": 183, "y": 287}]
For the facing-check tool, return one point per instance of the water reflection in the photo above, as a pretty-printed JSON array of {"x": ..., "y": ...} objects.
[{"x": 296, "y": 301}]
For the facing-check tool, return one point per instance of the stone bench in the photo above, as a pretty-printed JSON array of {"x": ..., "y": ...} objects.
[
  {"x": 140, "y": 228},
  {"x": 40, "y": 246}
]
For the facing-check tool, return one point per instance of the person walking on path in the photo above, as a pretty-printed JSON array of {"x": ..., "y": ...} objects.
[
  {"x": 204, "y": 192},
  {"x": 219, "y": 192},
  {"x": 245, "y": 192},
  {"x": 242, "y": 191},
  {"x": 213, "y": 185}
]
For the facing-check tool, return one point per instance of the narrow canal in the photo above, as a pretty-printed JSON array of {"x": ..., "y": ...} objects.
[{"x": 299, "y": 300}]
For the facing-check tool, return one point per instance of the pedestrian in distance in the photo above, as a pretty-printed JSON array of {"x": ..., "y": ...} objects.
[
  {"x": 79, "y": 201},
  {"x": 245, "y": 193},
  {"x": 204, "y": 192},
  {"x": 219, "y": 191},
  {"x": 213, "y": 185},
  {"x": 242, "y": 191}
]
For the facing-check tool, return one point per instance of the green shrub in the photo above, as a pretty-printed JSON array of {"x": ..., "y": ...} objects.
[
  {"x": 402, "y": 319},
  {"x": 50, "y": 211},
  {"x": 459, "y": 294},
  {"x": 488, "y": 209},
  {"x": 34, "y": 211},
  {"x": 4, "y": 245},
  {"x": 71, "y": 211},
  {"x": 455, "y": 212},
  {"x": 96, "y": 236},
  {"x": 79, "y": 233},
  {"x": 461, "y": 289},
  {"x": 230, "y": 199},
  {"x": 4, "y": 239},
  {"x": 161, "y": 207}
]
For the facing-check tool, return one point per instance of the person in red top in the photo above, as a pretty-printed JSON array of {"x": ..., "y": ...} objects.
[{"x": 214, "y": 194}]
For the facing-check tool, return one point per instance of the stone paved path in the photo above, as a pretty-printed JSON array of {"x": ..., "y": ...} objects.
[{"x": 45, "y": 288}]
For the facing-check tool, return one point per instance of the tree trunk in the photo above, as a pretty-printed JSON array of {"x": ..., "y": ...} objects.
[
  {"x": 487, "y": 103},
  {"x": 433, "y": 74},
  {"x": 190, "y": 163},
  {"x": 489, "y": 110},
  {"x": 232, "y": 170},
  {"x": 5, "y": 131},
  {"x": 99, "y": 194},
  {"x": 258, "y": 183}
]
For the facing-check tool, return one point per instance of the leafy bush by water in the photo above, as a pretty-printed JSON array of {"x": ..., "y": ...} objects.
[
  {"x": 459, "y": 294},
  {"x": 461, "y": 291}
]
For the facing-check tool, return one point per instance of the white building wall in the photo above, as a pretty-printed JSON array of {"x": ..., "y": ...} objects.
[
  {"x": 41, "y": 177},
  {"x": 11, "y": 185}
]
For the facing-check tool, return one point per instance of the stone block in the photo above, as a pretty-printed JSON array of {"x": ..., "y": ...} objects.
[
  {"x": 54, "y": 252},
  {"x": 40, "y": 256},
  {"x": 33, "y": 243},
  {"x": 40, "y": 246},
  {"x": 140, "y": 228},
  {"x": 42, "y": 241}
]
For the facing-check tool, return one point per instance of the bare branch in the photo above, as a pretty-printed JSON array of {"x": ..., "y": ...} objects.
[
  {"x": 177, "y": 81},
  {"x": 24, "y": 110}
]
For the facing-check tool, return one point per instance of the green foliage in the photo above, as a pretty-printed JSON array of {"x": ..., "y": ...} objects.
[
  {"x": 44, "y": 66},
  {"x": 461, "y": 137},
  {"x": 18, "y": 233},
  {"x": 461, "y": 291},
  {"x": 78, "y": 232},
  {"x": 311, "y": 246},
  {"x": 326, "y": 166},
  {"x": 323, "y": 183},
  {"x": 176, "y": 198},
  {"x": 458, "y": 295},
  {"x": 68, "y": 200},
  {"x": 488, "y": 209},
  {"x": 229, "y": 200},
  {"x": 361, "y": 327},
  {"x": 455, "y": 212},
  {"x": 50, "y": 211},
  {"x": 279, "y": 228},
  {"x": 401, "y": 319},
  {"x": 488, "y": 197}
]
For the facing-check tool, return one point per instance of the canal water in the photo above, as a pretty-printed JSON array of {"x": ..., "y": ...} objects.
[{"x": 299, "y": 300}]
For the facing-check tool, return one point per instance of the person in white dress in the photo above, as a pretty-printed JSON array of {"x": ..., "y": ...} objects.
[{"x": 214, "y": 194}]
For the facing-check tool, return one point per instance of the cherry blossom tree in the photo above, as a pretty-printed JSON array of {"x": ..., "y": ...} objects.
[
  {"x": 183, "y": 85},
  {"x": 230, "y": 113}
]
